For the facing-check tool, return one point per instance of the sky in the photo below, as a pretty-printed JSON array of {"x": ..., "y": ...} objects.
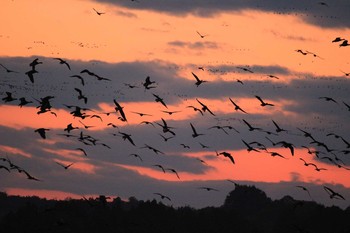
[{"x": 279, "y": 51}]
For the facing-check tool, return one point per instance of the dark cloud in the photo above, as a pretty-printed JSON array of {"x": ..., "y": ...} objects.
[{"x": 333, "y": 15}]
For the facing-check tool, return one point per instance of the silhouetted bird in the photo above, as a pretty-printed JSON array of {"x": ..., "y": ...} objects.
[
  {"x": 65, "y": 166},
  {"x": 147, "y": 84},
  {"x": 262, "y": 102},
  {"x": 195, "y": 134},
  {"x": 63, "y": 62},
  {"x": 209, "y": 189},
  {"x": 119, "y": 109},
  {"x": 227, "y": 155},
  {"x": 8, "y": 97},
  {"x": 80, "y": 78},
  {"x": 205, "y": 107},
  {"x": 8, "y": 70},
  {"x": 160, "y": 100},
  {"x": 333, "y": 194},
  {"x": 198, "y": 81},
  {"x": 23, "y": 102},
  {"x": 98, "y": 12},
  {"x": 162, "y": 196},
  {"x": 201, "y": 35},
  {"x": 42, "y": 132},
  {"x": 344, "y": 44},
  {"x": 236, "y": 106}
]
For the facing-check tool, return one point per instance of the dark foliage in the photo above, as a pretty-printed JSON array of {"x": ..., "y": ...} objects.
[{"x": 246, "y": 209}]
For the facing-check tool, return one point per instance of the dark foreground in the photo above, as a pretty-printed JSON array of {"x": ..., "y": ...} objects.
[{"x": 246, "y": 209}]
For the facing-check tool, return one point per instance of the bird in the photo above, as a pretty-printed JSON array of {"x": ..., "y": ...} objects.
[
  {"x": 160, "y": 166},
  {"x": 165, "y": 127},
  {"x": 209, "y": 189},
  {"x": 80, "y": 78},
  {"x": 23, "y": 102},
  {"x": 98, "y": 12},
  {"x": 273, "y": 154},
  {"x": 323, "y": 4},
  {"x": 4, "y": 167},
  {"x": 153, "y": 149},
  {"x": 171, "y": 112},
  {"x": 63, "y": 62},
  {"x": 262, "y": 102},
  {"x": 65, "y": 166},
  {"x": 8, "y": 70},
  {"x": 272, "y": 76},
  {"x": 42, "y": 132},
  {"x": 86, "y": 126},
  {"x": 126, "y": 136},
  {"x": 136, "y": 156},
  {"x": 278, "y": 129},
  {"x": 301, "y": 51},
  {"x": 194, "y": 134},
  {"x": 70, "y": 127},
  {"x": 141, "y": 114},
  {"x": 8, "y": 97},
  {"x": 337, "y": 39},
  {"x": 333, "y": 194},
  {"x": 344, "y": 44},
  {"x": 305, "y": 189},
  {"x": 173, "y": 171},
  {"x": 147, "y": 84},
  {"x": 30, "y": 74},
  {"x": 306, "y": 134},
  {"x": 251, "y": 128},
  {"x": 162, "y": 196},
  {"x": 218, "y": 127},
  {"x": 326, "y": 98},
  {"x": 30, "y": 177},
  {"x": 198, "y": 81},
  {"x": 185, "y": 146},
  {"x": 288, "y": 145},
  {"x": 227, "y": 155},
  {"x": 195, "y": 109},
  {"x": 249, "y": 147},
  {"x": 205, "y": 107},
  {"x": 347, "y": 105},
  {"x": 245, "y": 69},
  {"x": 119, "y": 109},
  {"x": 82, "y": 150},
  {"x": 201, "y": 35},
  {"x": 81, "y": 96},
  {"x": 34, "y": 63},
  {"x": 237, "y": 107},
  {"x": 166, "y": 138},
  {"x": 160, "y": 100}
]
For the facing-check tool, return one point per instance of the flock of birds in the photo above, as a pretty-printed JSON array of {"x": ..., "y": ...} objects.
[{"x": 314, "y": 146}]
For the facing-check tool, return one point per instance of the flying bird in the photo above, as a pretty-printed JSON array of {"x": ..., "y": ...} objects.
[
  {"x": 344, "y": 44},
  {"x": 262, "y": 102},
  {"x": 98, "y": 12},
  {"x": 227, "y": 155},
  {"x": 249, "y": 147},
  {"x": 278, "y": 129},
  {"x": 81, "y": 96},
  {"x": 30, "y": 74},
  {"x": 160, "y": 100},
  {"x": 251, "y": 128},
  {"x": 305, "y": 189},
  {"x": 160, "y": 166},
  {"x": 119, "y": 109},
  {"x": 42, "y": 132},
  {"x": 205, "y": 107},
  {"x": 79, "y": 77},
  {"x": 201, "y": 35},
  {"x": 333, "y": 194},
  {"x": 126, "y": 136},
  {"x": 245, "y": 69},
  {"x": 8, "y": 70},
  {"x": 173, "y": 171},
  {"x": 198, "y": 81},
  {"x": 162, "y": 196},
  {"x": 8, "y": 97},
  {"x": 65, "y": 166},
  {"x": 196, "y": 109},
  {"x": 147, "y": 84},
  {"x": 337, "y": 39},
  {"x": 194, "y": 134},
  {"x": 82, "y": 150},
  {"x": 23, "y": 102},
  {"x": 237, "y": 107},
  {"x": 63, "y": 62},
  {"x": 136, "y": 156},
  {"x": 209, "y": 189}
]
